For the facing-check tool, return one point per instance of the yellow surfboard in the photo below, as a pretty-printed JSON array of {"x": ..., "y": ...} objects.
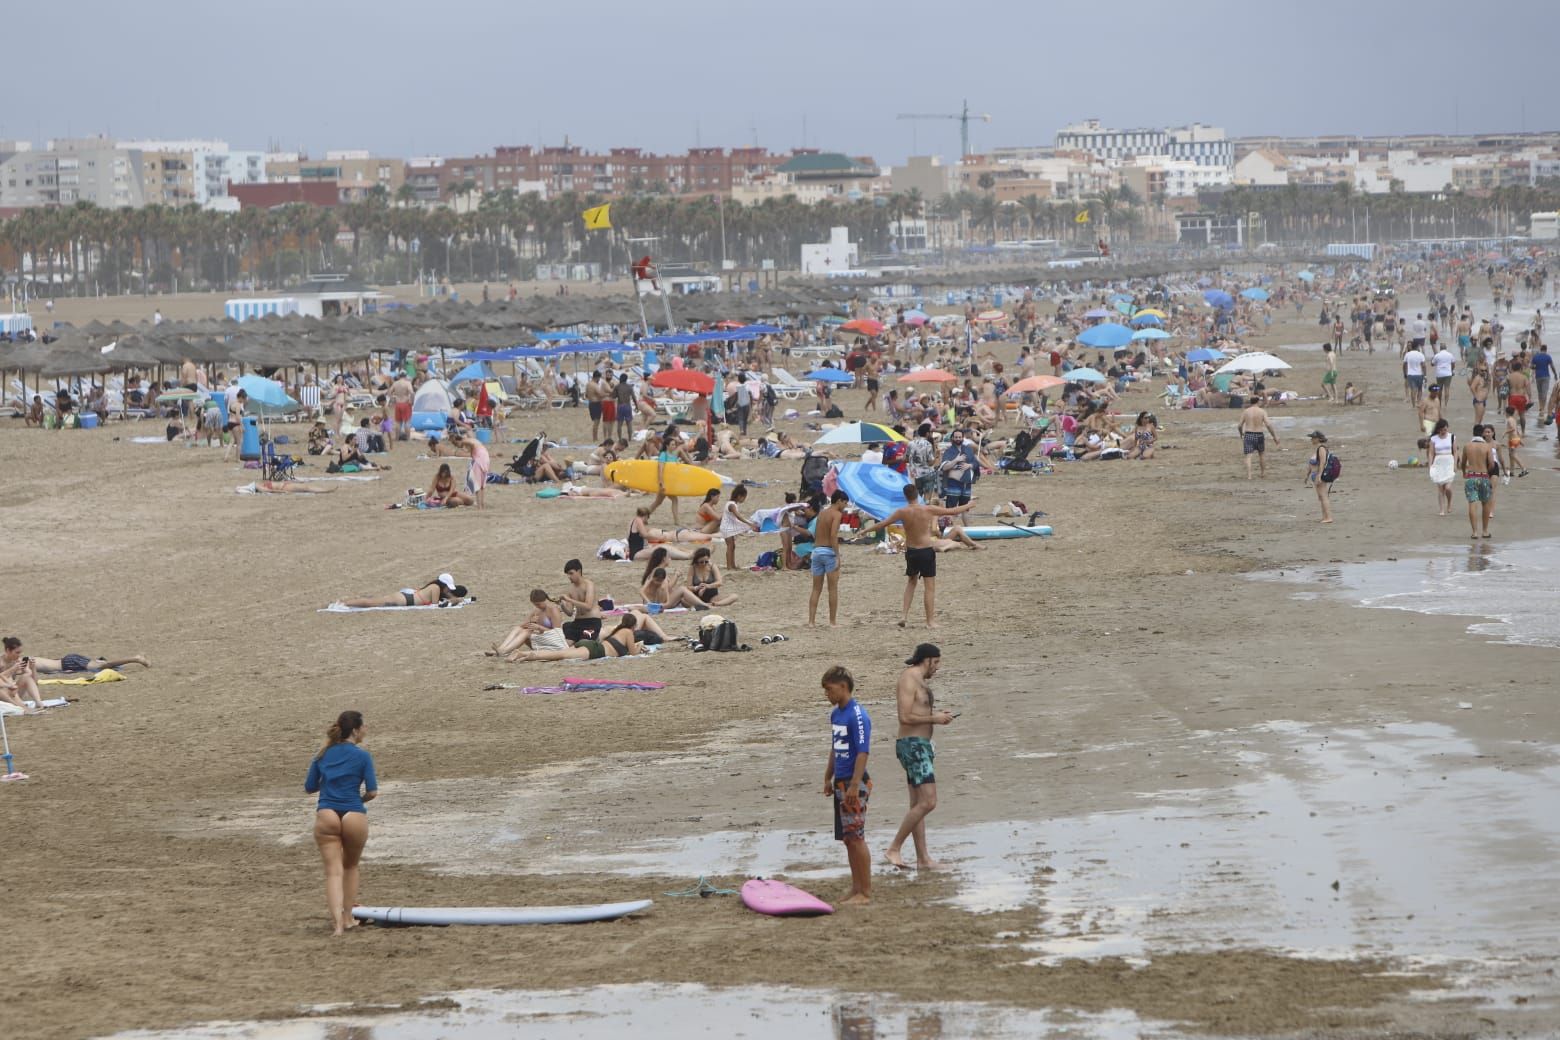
[{"x": 682, "y": 480}]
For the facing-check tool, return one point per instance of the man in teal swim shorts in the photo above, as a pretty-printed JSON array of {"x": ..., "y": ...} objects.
[
  {"x": 825, "y": 559},
  {"x": 916, "y": 752}
]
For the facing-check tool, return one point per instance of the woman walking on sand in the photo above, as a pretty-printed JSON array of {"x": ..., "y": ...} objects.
[
  {"x": 343, "y": 774},
  {"x": 1322, "y": 471},
  {"x": 1443, "y": 465}
]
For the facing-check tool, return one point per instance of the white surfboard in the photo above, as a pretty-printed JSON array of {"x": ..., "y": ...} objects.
[{"x": 443, "y": 915}]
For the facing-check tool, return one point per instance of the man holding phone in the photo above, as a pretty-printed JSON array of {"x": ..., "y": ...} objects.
[{"x": 917, "y": 715}]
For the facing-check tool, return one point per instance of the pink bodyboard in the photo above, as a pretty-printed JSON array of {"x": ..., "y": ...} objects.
[{"x": 778, "y": 899}]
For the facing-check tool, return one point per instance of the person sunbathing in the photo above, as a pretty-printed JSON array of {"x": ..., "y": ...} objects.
[
  {"x": 581, "y": 491},
  {"x": 444, "y": 491},
  {"x": 727, "y": 447},
  {"x": 12, "y": 656},
  {"x": 640, "y": 533},
  {"x": 619, "y": 643},
  {"x": 542, "y": 629},
  {"x": 19, "y": 684},
  {"x": 439, "y": 592},
  {"x": 281, "y": 487},
  {"x": 665, "y": 591}
]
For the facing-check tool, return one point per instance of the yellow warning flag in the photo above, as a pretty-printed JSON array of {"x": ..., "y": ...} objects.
[
  {"x": 598, "y": 217},
  {"x": 1082, "y": 217}
]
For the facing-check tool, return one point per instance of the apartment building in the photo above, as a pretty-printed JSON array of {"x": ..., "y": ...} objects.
[
  {"x": 355, "y": 173},
  {"x": 69, "y": 171}
]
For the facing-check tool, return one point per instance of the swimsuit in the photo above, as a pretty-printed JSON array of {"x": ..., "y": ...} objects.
[
  {"x": 851, "y": 825},
  {"x": 1477, "y": 487},
  {"x": 622, "y": 651},
  {"x": 1253, "y": 442},
  {"x": 824, "y": 561},
  {"x": 411, "y": 597},
  {"x": 636, "y": 543},
  {"x": 916, "y": 755},
  {"x": 593, "y": 646},
  {"x": 920, "y": 563}
]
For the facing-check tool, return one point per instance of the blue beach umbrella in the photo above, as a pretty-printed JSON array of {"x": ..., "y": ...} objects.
[
  {"x": 1083, "y": 375},
  {"x": 1150, "y": 334},
  {"x": 830, "y": 375},
  {"x": 1205, "y": 354},
  {"x": 266, "y": 395},
  {"x": 1255, "y": 294},
  {"x": 476, "y": 370},
  {"x": 1108, "y": 334},
  {"x": 1306, "y": 276},
  {"x": 1218, "y": 298},
  {"x": 1147, "y": 319}
]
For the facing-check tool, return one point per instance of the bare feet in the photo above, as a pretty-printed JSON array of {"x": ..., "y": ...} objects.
[
  {"x": 895, "y": 858},
  {"x": 1326, "y": 521},
  {"x": 857, "y": 900},
  {"x": 929, "y": 864}
]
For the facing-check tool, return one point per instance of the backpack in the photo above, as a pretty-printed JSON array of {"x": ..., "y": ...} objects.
[
  {"x": 719, "y": 637},
  {"x": 1331, "y": 468}
]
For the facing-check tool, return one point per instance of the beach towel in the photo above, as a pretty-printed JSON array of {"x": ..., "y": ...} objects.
[
  {"x": 106, "y": 675},
  {"x": 342, "y": 608},
  {"x": 149, "y": 440},
  {"x": 58, "y": 702},
  {"x": 347, "y": 476},
  {"x": 620, "y": 611},
  {"x": 578, "y": 685}
]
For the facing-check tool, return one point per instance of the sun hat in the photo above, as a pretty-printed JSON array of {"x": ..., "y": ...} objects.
[{"x": 448, "y": 581}]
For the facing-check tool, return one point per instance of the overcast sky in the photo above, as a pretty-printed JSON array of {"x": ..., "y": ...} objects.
[{"x": 458, "y": 77}]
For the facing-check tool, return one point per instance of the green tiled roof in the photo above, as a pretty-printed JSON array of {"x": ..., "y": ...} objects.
[{"x": 826, "y": 162}]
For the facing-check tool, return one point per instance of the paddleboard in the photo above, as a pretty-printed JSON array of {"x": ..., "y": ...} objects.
[
  {"x": 682, "y": 480},
  {"x": 1003, "y": 531},
  {"x": 444, "y": 915},
  {"x": 778, "y": 899}
]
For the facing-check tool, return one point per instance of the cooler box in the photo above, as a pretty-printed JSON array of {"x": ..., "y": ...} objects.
[{"x": 89, "y": 420}]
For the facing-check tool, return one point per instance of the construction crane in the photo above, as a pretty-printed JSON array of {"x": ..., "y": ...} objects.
[{"x": 964, "y": 125}]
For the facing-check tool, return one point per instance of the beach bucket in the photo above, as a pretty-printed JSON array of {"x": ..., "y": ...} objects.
[
  {"x": 484, "y": 435},
  {"x": 89, "y": 420}
]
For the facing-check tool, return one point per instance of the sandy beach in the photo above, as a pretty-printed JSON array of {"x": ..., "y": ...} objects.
[{"x": 1228, "y": 806}]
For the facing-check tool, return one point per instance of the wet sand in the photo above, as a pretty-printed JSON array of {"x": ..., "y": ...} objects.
[{"x": 1162, "y": 770}]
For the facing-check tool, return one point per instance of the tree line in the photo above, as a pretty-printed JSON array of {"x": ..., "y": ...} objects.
[{"x": 85, "y": 249}]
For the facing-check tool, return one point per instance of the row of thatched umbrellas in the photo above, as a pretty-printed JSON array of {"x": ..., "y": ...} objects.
[{"x": 285, "y": 341}]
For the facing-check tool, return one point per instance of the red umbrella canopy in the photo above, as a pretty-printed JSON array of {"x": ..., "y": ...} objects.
[
  {"x": 683, "y": 379},
  {"x": 864, "y": 325}
]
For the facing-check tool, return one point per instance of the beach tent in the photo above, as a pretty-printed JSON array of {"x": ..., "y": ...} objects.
[{"x": 431, "y": 407}]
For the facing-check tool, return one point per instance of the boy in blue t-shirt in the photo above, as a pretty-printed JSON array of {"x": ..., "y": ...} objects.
[{"x": 845, "y": 778}]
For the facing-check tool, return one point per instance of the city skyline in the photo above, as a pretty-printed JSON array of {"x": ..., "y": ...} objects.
[{"x": 826, "y": 77}]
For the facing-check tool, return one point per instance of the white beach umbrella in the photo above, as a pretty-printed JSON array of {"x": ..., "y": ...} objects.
[{"x": 1257, "y": 361}]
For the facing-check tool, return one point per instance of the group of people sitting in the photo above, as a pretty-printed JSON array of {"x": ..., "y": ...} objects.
[{"x": 569, "y": 627}]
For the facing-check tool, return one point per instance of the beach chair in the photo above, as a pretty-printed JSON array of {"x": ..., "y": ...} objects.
[
  {"x": 275, "y": 465},
  {"x": 788, "y": 387},
  {"x": 814, "y": 469},
  {"x": 309, "y": 397}
]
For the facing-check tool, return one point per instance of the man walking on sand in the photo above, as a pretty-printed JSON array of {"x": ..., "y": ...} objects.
[
  {"x": 920, "y": 554},
  {"x": 825, "y": 559},
  {"x": 845, "y": 778},
  {"x": 401, "y": 394},
  {"x": 1254, "y": 428},
  {"x": 916, "y": 752},
  {"x": 1477, "y": 462}
]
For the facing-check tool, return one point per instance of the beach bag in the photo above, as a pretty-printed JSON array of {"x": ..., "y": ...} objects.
[
  {"x": 1331, "y": 468},
  {"x": 768, "y": 561},
  {"x": 721, "y": 636}
]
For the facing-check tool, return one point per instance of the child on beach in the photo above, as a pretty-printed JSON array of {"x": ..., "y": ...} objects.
[
  {"x": 1514, "y": 465},
  {"x": 845, "y": 778}
]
